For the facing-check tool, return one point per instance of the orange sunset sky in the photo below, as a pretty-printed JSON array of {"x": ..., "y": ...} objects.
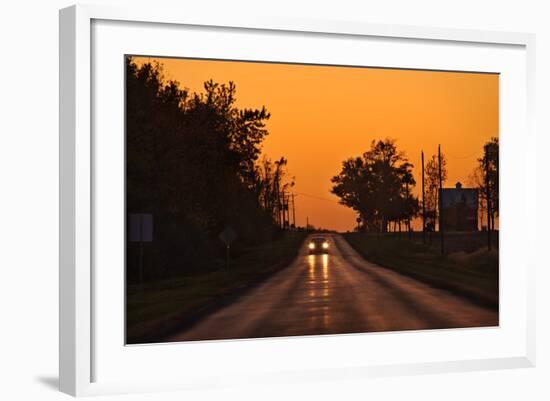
[{"x": 322, "y": 115}]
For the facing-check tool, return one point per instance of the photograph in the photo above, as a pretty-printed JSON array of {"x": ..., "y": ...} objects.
[{"x": 276, "y": 199}]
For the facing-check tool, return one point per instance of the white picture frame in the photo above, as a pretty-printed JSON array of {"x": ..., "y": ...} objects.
[{"x": 79, "y": 314}]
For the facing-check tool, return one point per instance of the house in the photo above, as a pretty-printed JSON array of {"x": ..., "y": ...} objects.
[{"x": 459, "y": 207}]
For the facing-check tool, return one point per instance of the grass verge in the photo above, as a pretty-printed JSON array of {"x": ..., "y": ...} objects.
[
  {"x": 474, "y": 275},
  {"x": 159, "y": 309}
]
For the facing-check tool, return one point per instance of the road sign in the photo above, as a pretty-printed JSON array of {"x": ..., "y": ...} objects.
[
  {"x": 227, "y": 236},
  {"x": 141, "y": 230},
  {"x": 141, "y": 227}
]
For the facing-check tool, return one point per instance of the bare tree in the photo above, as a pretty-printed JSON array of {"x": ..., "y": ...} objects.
[
  {"x": 431, "y": 184},
  {"x": 272, "y": 184}
]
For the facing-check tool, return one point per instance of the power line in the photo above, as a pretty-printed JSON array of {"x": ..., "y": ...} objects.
[
  {"x": 462, "y": 157},
  {"x": 317, "y": 197}
]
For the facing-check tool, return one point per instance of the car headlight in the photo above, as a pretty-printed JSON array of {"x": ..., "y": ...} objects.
[
  {"x": 325, "y": 245},
  {"x": 311, "y": 245}
]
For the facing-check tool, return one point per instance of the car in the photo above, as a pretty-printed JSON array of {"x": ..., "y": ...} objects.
[{"x": 318, "y": 245}]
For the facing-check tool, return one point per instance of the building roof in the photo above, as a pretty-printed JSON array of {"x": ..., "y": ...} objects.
[{"x": 451, "y": 197}]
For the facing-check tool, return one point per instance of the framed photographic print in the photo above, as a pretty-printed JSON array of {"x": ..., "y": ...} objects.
[{"x": 272, "y": 199}]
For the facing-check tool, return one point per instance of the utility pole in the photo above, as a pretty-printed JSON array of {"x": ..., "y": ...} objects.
[
  {"x": 441, "y": 230},
  {"x": 286, "y": 199},
  {"x": 487, "y": 194},
  {"x": 277, "y": 204},
  {"x": 293, "y": 212},
  {"x": 283, "y": 209},
  {"x": 423, "y": 204},
  {"x": 286, "y": 208},
  {"x": 307, "y": 223},
  {"x": 408, "y": 221}
]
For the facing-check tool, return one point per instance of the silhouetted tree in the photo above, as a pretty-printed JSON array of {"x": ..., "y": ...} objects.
[
  {"x": 271, "y": 184},
  {"x": 192, "y": 161},
  {"x": 410, "y": 205},
  {"x": 485, "y": 177},
  {"x": 431, "y": 192},
  {"x": 378, "y": 186}
]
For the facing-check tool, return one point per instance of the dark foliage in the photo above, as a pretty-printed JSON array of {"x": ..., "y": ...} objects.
[
  {"x": 485, "y": 177},
  {"x": 192, "y": 161},
  {"x": 378, "y": 186}
]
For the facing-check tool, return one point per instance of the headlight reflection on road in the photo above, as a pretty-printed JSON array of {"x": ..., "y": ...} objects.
[
  {"x": 319, "y": 292},
  {"x": 311, "y": 263},
  {"x": 325, "y": 266},
  {"x": 326, "y": 294},
  {"x": 325, "y": 275}
]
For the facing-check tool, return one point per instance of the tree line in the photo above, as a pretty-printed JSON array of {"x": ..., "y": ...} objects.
[
  {"x": 193, "y": 161},
  {"x": 378, "y": 186}
]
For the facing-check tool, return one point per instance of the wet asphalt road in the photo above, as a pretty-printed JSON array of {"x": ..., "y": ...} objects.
[{"x": 337, "y": 293}]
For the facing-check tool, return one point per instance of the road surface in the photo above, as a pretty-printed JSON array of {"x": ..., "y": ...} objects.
[{"x": 334, "y": 294}]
